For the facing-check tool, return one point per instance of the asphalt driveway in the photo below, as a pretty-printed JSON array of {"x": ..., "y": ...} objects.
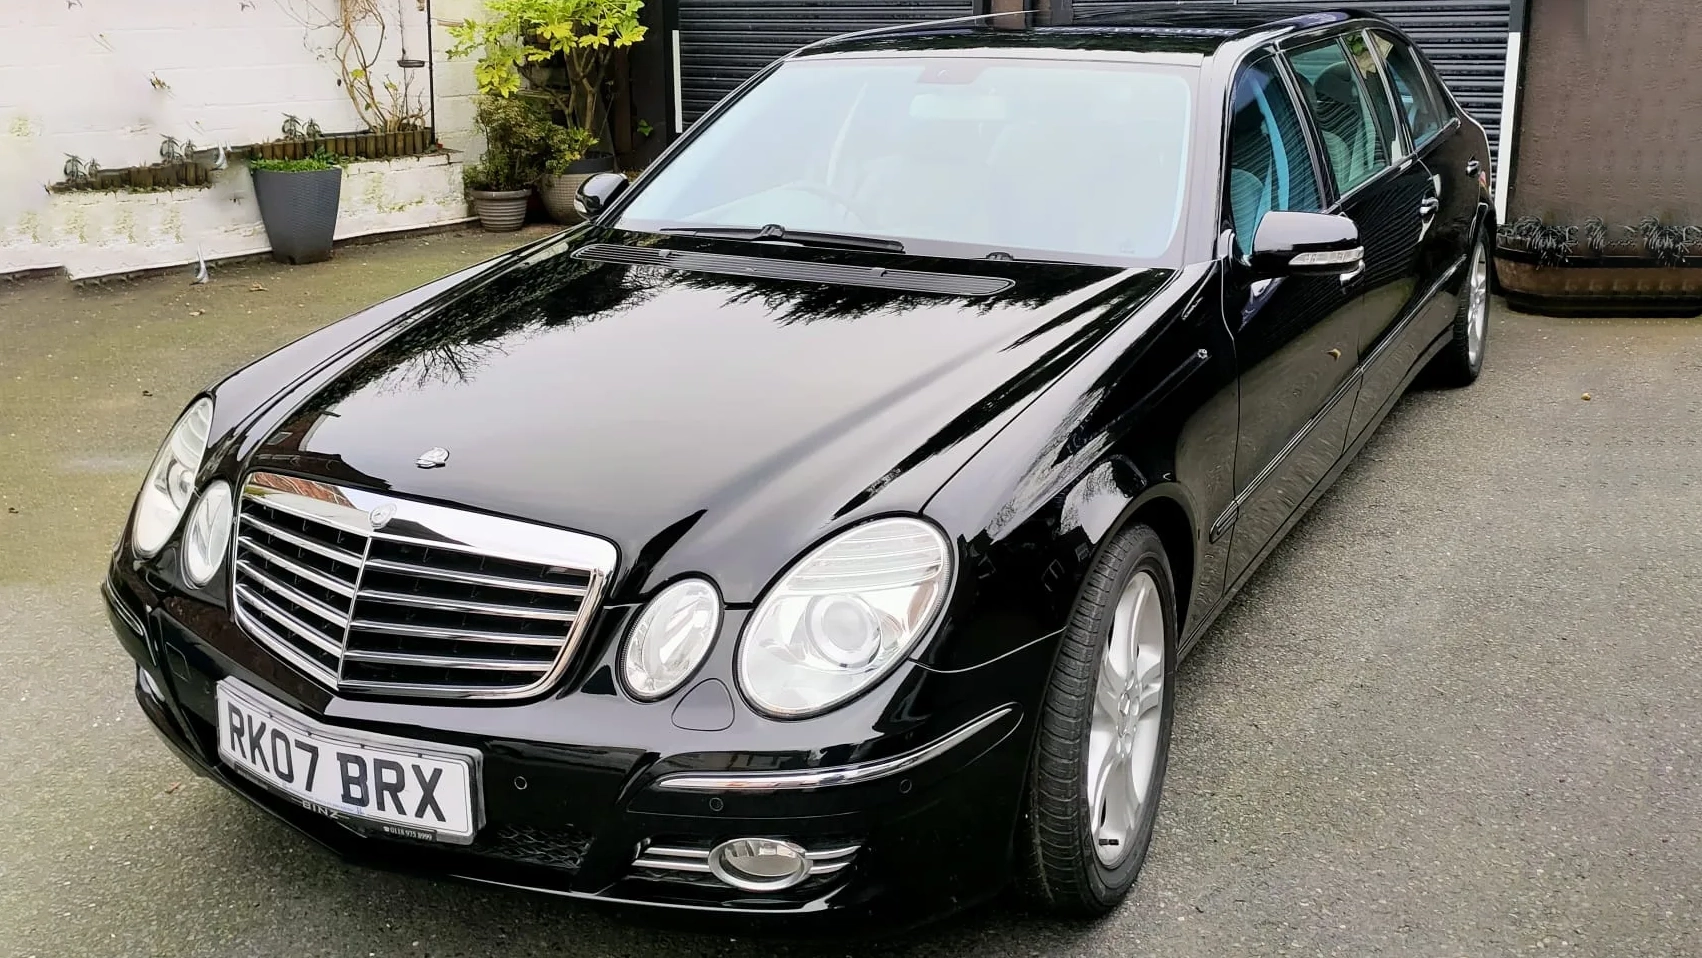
[{"x": 1456, "y": 714}]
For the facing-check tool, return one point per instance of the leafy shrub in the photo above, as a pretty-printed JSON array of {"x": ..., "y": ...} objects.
[
  {"x": 521, "y": 39},
  {"x": 522, "y": 144},
  {"x": 1554, "y": 245},
  {"x": 320, "y": 160}
]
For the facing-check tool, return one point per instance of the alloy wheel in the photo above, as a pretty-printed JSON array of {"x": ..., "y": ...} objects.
[
  {"x": 1123, "y": 741},
  {"x": 1477, "y": 320}
]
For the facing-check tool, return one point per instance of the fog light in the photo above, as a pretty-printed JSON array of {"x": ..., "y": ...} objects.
[{"x": 759, "y": 864}]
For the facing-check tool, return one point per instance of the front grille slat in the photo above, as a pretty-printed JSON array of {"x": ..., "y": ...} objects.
[
  {"x": 466, "y": 605},
  {"x": 457, "y": 635},
  {"x": 473, "y": 578},
  {"x": 444, "y": 661},
  {"x": 314, "y": 662},
  {"x": 302, "y": 542},
  {"x": 312, "y": 575},
  {"x": 305, "y": 601},
  {"x": 460, "y": 606},
  {"x": 301, "y": 629}
]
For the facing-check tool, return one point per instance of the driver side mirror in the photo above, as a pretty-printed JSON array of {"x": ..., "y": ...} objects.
[
  {"x": 597, "y": 192},
  {"x": 1306, "y": 244}
]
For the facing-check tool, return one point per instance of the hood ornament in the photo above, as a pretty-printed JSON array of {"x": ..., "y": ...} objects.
[
  {"x": 432, "y": 458},
  {"x": 382, "y": 515}
]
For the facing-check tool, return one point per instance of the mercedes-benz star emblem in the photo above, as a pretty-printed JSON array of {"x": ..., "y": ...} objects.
[
  {"x": 382, "y": 515},
  {"x": 432, "y": 458}
]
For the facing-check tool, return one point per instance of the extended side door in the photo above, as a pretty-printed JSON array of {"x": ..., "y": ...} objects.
[
  {"x": 1446, "y": 217},
  {"x": 1296, "y": 337}
]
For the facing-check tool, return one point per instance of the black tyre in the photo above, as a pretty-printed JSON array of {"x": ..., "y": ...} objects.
[
  {"x": 1111, "y": 700},
  {"x": 1460, "y": 362}
]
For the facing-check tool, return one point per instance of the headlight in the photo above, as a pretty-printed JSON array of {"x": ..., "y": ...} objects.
[
  {"x": 207, "y": 536},
  {"x": 843, "y": 616},
  {"x": 671, "y": 637},
  {"x": 171, "y": 480}
]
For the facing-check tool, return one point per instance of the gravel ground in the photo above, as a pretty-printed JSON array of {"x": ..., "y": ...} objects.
[{"x": 1454, "y": 715}]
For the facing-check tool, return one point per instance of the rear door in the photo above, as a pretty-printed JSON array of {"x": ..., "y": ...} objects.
[
  {"x": 1457, "y": 166},
  {"x": 1389, "y": 193}
]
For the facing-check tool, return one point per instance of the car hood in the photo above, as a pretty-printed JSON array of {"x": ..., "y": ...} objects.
[{"x": 703, "y": 421}]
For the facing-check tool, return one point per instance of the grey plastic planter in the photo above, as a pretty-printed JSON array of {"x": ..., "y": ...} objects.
[
  {"x": 300, "y": 212},
  {"x": 501, "y": 211}
]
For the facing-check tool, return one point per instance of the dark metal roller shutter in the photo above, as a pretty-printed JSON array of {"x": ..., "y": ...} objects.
[
  {"x": 1466, "y": 40},
  {"x": 723, "y": 42}
]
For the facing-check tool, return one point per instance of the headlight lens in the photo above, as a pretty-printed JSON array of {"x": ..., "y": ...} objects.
[
  {"x": 671, "y": 637},
  {"x": 207, "y": 536},
  {"x": 843, "y": 616},
  {"x": 171, "y": 480}
]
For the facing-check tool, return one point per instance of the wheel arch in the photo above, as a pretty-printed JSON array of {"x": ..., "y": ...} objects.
[{"x": 1164, "y": 506}]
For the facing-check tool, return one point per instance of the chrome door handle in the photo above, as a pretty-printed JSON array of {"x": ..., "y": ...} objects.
[
  {"x": 1428, "y": 206},
  {"x": 1472, "y": 167}
]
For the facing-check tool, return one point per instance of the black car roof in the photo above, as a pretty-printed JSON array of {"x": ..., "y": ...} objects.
[{"x": 1197, "y": 27}]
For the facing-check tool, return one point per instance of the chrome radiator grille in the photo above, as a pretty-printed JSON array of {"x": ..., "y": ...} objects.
[{"x": 371, "y": 594}]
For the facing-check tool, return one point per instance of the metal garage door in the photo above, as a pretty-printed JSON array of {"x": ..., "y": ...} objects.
[
  {"x": 1465, "y": 39},
  {"x": 722, "y": 42}
]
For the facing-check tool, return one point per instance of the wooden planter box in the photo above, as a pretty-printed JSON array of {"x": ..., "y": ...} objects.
[
  {"x": 1599, "y": 286},
  {"x": 366, "y": 146},
  {"x": 158, "y": 176}
]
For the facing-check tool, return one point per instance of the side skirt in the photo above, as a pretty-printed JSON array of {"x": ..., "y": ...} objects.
[{"x": 1203, "y": 624}]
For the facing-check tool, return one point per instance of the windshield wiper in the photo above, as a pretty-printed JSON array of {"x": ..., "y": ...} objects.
[{"x": 774, "y": 231}]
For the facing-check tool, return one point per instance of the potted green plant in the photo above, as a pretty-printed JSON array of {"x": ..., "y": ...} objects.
[
  {"x": 298, "y": 204},
  {"x": 567, "y": 167},
  {"x": 527, "y": 45},
  {"x": 519, "y": 143}
]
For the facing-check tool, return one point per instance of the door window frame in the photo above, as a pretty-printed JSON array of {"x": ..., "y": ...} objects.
[
  {"x": 1403, "y": 131},
  {"x": 1325, "y": 183},
  {"x": 1337, "y": 35},
  {"x": 1443, "y": 103}
]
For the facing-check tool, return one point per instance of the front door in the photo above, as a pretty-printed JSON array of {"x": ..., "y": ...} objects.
[{"x": 1296, "y": 338}]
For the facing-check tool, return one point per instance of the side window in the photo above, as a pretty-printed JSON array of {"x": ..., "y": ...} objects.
[
  {"x": 1269, "y": 165},
  {"x": 1356, "y": 147},
  {"x": 1418, "y": 100},
  {"x": 1376, "y": 91}
]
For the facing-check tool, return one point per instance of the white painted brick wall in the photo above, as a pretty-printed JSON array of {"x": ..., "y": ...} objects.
[
  {"x": 90, "y": 234},
  {"x": 75, "y": 78}
]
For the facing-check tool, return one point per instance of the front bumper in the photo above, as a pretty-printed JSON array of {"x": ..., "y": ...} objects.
[{"x": 930, "y": 812}]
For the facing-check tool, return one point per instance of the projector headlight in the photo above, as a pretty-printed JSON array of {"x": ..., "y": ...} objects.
[{"x": 843, "y": 616}]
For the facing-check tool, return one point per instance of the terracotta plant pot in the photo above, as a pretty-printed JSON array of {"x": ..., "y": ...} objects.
[
  {"x": 299, "y": 210},
  {"x": 558, "y": 191},
  {"x": 501, "y": 211}
]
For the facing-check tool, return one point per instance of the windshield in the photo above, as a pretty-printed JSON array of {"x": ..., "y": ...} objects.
[{"x": 1081, "y": 161}]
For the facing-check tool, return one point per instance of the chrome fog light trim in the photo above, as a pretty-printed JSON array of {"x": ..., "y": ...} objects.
[
  {"x": 837, "y": 775},
  {"x": 759, "y": 864}
]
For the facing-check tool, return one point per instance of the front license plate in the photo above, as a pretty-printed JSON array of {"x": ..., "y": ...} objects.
[{"x": 397, "y": 785}]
